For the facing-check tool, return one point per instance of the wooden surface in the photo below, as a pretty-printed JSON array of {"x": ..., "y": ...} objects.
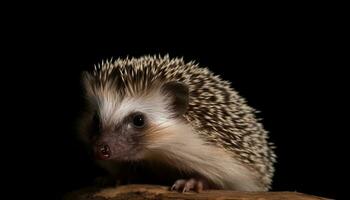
[{"x": 155, "y": 192}]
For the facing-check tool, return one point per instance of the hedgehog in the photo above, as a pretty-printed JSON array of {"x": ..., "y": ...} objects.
[{"x": 162, "y": 118}]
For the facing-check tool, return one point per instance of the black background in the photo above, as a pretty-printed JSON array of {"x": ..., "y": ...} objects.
[{"x": 284, "y": 67}]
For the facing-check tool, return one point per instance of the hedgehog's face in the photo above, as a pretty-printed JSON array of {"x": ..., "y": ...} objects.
[
  {"x": 120, "y": 140},
  {"x": 124, "y": 127}
]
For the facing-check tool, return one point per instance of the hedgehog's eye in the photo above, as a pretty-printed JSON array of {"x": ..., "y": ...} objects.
[{"x": 138, "y": 120}]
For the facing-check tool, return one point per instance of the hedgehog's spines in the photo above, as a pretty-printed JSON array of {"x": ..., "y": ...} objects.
[{"x": 216, "y": 111}]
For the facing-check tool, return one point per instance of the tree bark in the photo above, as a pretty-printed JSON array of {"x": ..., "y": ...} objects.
[{"x": 155, "y": 192}]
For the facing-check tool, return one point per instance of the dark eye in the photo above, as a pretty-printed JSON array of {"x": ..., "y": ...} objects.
[{"x": 138, "y": 121}]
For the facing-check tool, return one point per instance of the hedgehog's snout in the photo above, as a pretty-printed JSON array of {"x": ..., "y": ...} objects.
[{"x": 102, "y": 151}]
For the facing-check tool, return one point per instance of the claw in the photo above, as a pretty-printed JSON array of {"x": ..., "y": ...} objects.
[
  {"x": 178, "y": 184},
  {"x": 172, "y": 187}
]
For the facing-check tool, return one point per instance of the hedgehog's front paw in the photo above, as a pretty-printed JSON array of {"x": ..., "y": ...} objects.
[{"x": 183, "y": 185}]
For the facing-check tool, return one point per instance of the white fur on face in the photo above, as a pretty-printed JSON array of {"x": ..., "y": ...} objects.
[{"x": 154, "y": 106}]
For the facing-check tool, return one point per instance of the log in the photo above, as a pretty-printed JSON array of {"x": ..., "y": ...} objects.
[{"x": 156, "y": 192}]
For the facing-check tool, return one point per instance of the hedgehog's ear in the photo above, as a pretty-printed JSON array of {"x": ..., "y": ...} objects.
[{"x": 179, "y": 93}]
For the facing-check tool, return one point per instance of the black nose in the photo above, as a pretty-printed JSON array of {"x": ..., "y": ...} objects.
[{"x": 104, "y": 151}]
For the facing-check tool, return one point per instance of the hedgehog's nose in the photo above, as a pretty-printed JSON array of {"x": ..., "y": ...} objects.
[
  {"x": 104, "y": 149},
  {"x": 103, "y": 152}
]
